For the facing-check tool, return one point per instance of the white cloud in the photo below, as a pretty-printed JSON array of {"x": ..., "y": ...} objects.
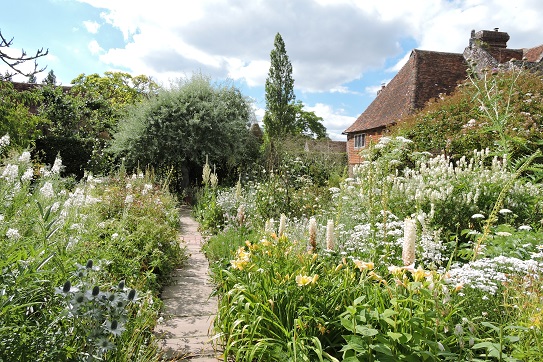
[
  {"x": 373, "y": 89},
  {"x": 330, "y": 43},
  {"x": 334, "y": 120},
  {"x": 396, "y": 67},
  {"x": 234, "y": 38},
  {"x": 94, "y": 47},
  {"x": 91, "y": 26}
]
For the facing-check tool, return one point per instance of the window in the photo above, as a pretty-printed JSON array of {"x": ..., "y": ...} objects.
[{"x": 360, "y": 140}]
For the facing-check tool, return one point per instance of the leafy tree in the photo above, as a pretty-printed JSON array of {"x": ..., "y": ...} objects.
[
  {"x": 15, "y": 117},
  {"x": 106, "y": 97},
  {"x": 279, "y": 118},
  {"x": 308, "y": 123},
  {"x": 50, "y": 79},
  {"x": 285, "y": 117},
  {"x": 81, "y": 119},
  {"x": 13, "y": 62},
  {"x": 7, "y": 76},
  {"x": 175, "y": 131},
  {"x": 32, "y": 79}
]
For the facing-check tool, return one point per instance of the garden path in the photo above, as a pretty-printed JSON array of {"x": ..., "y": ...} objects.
[{"x": 189, "y": 309}]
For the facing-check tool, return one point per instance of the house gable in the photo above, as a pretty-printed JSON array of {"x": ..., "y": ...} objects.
[{"x": 429, "y": 74}]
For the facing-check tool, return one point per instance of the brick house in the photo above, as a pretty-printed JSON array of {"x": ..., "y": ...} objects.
[{"x": 429, "y": 74}]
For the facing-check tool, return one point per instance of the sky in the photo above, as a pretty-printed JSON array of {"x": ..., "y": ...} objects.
[{"x": 341, "y": 51}]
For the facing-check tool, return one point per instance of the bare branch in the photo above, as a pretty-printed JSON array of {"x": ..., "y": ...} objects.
[{"x": 13, "y": 62}]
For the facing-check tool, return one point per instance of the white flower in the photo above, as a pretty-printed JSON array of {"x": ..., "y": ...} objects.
[
  {"x": 11, "y": 172},
  {"x": 330, "y": 236},
  {"x": 129, "y": 199},
  {"x": 525, "y": 227},
  {"x": 146, "y": 189},
  {"x": 47, "y": 190},
  {"x": 13, "y": 234},
  {"x": 4, "y": 141},
  {"x": 505, "y": 211},
  {"x": 282, "y": 224},
  {"x": 503, "y": 233},
  {"x": 55, "y": 207},
  {"x": 477, "y": 216},
  {"x": 409, "y": 239},
  {"x": 28, "y": 175},
  {"x": 57, "y": 166},
  {"x": 25, "y": 157}
]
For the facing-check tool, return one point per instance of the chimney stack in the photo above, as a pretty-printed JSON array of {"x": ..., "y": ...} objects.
[{"x": 494, "y": 39}]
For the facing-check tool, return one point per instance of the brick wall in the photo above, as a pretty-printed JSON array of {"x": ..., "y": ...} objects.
[{"x": 354, "y": 158}]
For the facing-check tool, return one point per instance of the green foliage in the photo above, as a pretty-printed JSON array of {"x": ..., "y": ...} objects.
[
  {"x": 410, "y": 319},
  {"x": 285, "y": 117},
  {"x": 87, "y": 114},
  {"x": 48, "y": 226},
  {"x": 178, "y": 129},
  {"x": 15, "y": 117},
  {"x": 106, "y": 97},
  {"x": 353, "y": 296},
  {"x": 308, "y": 123},
  {"x": 76, "y": 153},
  {"x": 50, "y": 78},
  {"x": 279, "y": 118},
  {"x": 502, "y": 112}
]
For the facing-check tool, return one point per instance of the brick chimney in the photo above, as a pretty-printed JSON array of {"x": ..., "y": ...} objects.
[{"x": 492, "y": 38}]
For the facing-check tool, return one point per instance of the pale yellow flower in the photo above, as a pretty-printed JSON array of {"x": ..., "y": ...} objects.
[
  {"x": 396, "y": 270},
  {"x": 239, "y": 264},
  {"x": 375, "y": 276},
  {"x": 303, "y": 280},
  {"x": 419, "y": 274},
  {"x": 362, "y": 265}
]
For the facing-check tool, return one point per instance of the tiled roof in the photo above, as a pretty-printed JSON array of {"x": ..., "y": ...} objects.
[
  {"x": 534, "y": 54},
  {"x": 425, "y": 75},
  {"x": 505, "y": 55}
]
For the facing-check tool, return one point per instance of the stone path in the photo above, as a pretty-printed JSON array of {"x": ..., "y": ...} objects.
[{"x": 188, "y": 312}]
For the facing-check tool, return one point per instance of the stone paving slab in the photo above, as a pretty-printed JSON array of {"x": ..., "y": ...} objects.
[{"x": 185, "y": 329}]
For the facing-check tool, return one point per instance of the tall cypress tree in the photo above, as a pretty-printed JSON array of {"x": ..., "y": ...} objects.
[{"x": 280, "y": 117}]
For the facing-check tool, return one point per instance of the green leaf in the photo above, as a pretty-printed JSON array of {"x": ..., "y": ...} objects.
[
  {"x": 490, "y": 325},
  {"x": 492, "y": 349},
  {"x": 382, "y": 348},
  {"x": 400, "y": 337},
  {"x": 388, "y": 313},
  {"x": 355, "y": 343},
  {"x": 365, "y": 331},
  {"x": 395, "y": 336},
  {"x": 390, "y": 322}
]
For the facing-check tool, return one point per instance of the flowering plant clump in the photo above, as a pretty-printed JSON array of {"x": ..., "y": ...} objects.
[
  {"x": 416, "y": 255},
  {"x": 97, "y": 317},
  {"x": 48, "y": 223}
]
